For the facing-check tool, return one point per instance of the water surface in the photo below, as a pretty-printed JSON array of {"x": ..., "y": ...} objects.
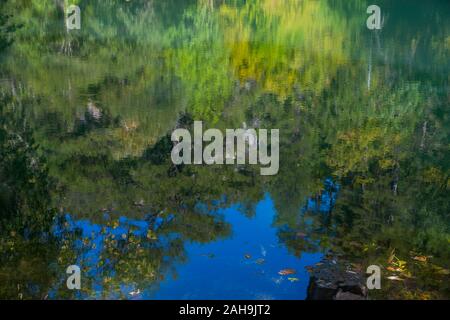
[{"x": 86, "y": 176}]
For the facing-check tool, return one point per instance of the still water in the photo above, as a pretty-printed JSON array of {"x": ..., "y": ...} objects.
[
  {"x": 250, "y": 272},
  {"x": 245, "y": 265},
  {"x": 86, "y": 176}
]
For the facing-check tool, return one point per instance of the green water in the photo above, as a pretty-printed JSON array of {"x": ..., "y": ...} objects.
[{"x": 86, "y": 118}]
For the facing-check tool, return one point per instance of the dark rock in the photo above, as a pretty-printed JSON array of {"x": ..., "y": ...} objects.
[{"x": 332, "y": 279}]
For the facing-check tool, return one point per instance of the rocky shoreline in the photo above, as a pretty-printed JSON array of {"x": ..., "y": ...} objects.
[{"x": 333, "y": 279}]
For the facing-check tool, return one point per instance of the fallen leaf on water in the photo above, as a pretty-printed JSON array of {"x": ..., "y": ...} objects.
[
  {"x": 151, "y": 235},
  {"x": 395, "y": 278},
  {"x": 392, "y": 269},
  {"x": 285, "y": 272},
  {"x": 399, "y": 263},
  {"x": 421, "y": 258},
  {"x": 293, "y": 279}
]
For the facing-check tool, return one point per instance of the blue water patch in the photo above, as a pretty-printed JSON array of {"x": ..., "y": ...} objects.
[
  {"x": 244, "y": 266},
  {"x": 248, "y": 264}
]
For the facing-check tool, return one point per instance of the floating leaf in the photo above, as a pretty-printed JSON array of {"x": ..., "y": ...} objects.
[
  {"x": 392, "y": 269},
  {"x": 285, "y": 272},
  {"x": 151, "y": 235},
  {"x": 401, "y": 263},
  {"x": 395, "y": 278},
  {"x": 421, "y": 258}
]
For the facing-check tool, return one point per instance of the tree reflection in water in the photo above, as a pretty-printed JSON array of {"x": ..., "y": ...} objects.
[{"x": 363, "y": 119}]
